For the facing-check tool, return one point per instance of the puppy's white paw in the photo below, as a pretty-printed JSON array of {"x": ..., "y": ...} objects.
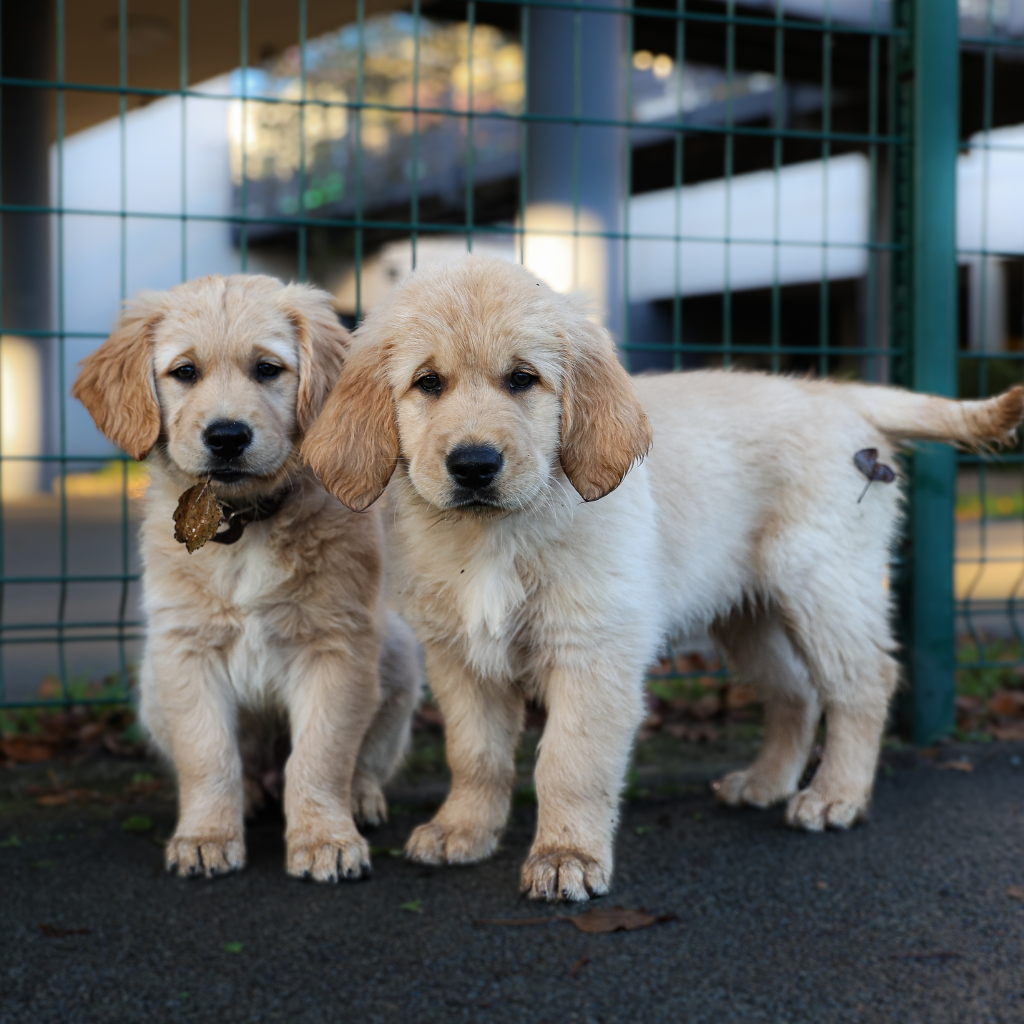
[
  {"x": 328, "y": 860},
  {"x": 750, "y": 788},
  {"x": 206, "y": 856},
  {"x": 441, "y": 843},
  {"x": 814, "y": 811},
  {"x": 564, "y": 874},
  {"x": 369, "y": 806}
]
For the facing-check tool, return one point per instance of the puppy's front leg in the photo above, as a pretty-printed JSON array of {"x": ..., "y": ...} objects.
[
  {"x": 331, "y": 700},
  {"x": 199, "y": 727},
  {"x": 482, "y": 723},
  {"x": 593, "y": 714}
]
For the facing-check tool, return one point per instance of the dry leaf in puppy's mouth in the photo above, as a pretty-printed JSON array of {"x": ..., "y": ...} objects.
[{"x": 197, "y": 516}]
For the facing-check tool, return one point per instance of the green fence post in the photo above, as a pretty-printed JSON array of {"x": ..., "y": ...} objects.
[{"x": 934, "y": 124}]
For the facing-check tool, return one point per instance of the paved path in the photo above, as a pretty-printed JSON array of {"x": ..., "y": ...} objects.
[{"x": 906, "y": 919}]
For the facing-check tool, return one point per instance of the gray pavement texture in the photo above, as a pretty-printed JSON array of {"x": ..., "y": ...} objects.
[{"x": 905, "y": 919}]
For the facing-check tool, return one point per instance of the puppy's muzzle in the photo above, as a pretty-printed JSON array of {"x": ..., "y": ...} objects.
[{"x": 474, "y": 467}]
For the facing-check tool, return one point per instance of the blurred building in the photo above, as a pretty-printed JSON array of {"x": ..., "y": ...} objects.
[{"x": 236, "y": 175}]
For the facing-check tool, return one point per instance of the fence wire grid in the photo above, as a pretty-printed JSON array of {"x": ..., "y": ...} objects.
[{"x": 734, "y": 184}]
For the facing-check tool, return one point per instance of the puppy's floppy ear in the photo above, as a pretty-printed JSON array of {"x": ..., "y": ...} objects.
[
  {"x": 353, "y": 446},
  {"x": 605, "y": 430},
  {"x": 116, "y": 383},
  {"x": 323, "y": 343}
]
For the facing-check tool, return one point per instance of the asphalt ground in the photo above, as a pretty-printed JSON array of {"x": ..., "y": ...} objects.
[{"x": 904, "y": 919}]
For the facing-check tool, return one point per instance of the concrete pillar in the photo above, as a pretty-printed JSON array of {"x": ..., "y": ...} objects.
[
  {"x": 987, "y": 315},
  {"x": 25, "y": 238},
  {"x": 590, "y": 167}
]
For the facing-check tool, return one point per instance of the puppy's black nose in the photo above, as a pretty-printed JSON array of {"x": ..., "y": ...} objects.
[
  {"x": 474, "y": 465},
  {"x": 227, "y": 439}
]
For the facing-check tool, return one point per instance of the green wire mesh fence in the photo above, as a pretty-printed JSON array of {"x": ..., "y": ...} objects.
[
  {"x": 734, "y": 184},
  {"x": 990, "y": 501}
]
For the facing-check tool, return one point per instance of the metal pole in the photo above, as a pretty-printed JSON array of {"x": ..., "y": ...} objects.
[{"x": 933, "y": 300}]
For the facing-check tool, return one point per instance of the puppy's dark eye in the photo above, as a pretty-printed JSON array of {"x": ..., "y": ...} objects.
[
  {"x": 267, "y": 371},
  {"x": 520, "y": 380},
  {"x": 429, "y": 382},
  {"x": 186, "y": 373}
]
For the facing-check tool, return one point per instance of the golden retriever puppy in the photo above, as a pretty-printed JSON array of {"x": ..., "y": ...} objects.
[
  {"x": 496, "y": 403},
  {"x": 279, "y": 615}
]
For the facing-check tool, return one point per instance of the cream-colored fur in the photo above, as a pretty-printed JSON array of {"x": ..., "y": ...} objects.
[
  {"x": 744, "y": 520},
  {"x": 287, "y": 622}
]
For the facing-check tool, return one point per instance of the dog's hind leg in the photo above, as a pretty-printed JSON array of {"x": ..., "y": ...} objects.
[
  {"x": 387, "y": 739},
  {"x": 760, "y": 654},
  {"x": 845, "y": 643}
]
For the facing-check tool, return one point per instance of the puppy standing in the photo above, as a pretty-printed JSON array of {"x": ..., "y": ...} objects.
[
  {"x": 494, "y": 398},
  {"x": 217, "y": 380}
]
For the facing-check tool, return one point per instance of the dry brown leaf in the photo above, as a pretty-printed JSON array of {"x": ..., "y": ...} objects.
[
  {"x": 603, "y": 920},
  {"x": 957, "y": 766},
  {"x": 53, "y": 932},
  {"x": 25, "y": 749},
  {"x": 53, "y": 800},
  {"x": 197, "y": 516},
  {"x": 1015, "y": 892},
  {"x": 599, "y": 921},
  {"x": 582, "y": 962},
  {"x": 740, "y": 696},
  {"x": 1008, "y": 733},
  {"x": 1007, "y": 702}
]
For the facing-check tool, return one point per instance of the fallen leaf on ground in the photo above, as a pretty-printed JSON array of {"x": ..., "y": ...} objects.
[
  {"x": 232, "y": 947},
  {"x": 49, "y": 796},
  {"x": 137, "y": 823},
  {"x": 10, "y": 842},
  {"x": 1007, "y": 702},
  {"x": 603, "y": 920},
  {"x": 957, "y": 766},
  {"x": 52, "y": 932},
  {"x": 1015, "y": 892},
  {"x": 599, "y": 921},
  {"x": 25, "y": 750},
  {"x": 642, "y": 830},
  {"x": 1008, "y": 733},
  {"x": 582, "y": 962},
  {"x": 740, "y": 696},
  {"x": 197, "y": 516},
  {"x": 821, "y": 885},
  {"x": 387, "y": 851},
  {"x": 413, "y": 906}
]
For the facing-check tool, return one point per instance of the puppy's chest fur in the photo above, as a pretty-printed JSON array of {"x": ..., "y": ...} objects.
[
  {"x": 285, "y": 587},
  {"x": 482, "y": 587}
]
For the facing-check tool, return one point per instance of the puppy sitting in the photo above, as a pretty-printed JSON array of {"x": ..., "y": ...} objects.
[
  {"x": 279, "y": 614},
  {"x": 497, "y": 405}
]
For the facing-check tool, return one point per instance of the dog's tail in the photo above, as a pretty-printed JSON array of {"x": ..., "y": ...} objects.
[{"x": 905, "y": 415}]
